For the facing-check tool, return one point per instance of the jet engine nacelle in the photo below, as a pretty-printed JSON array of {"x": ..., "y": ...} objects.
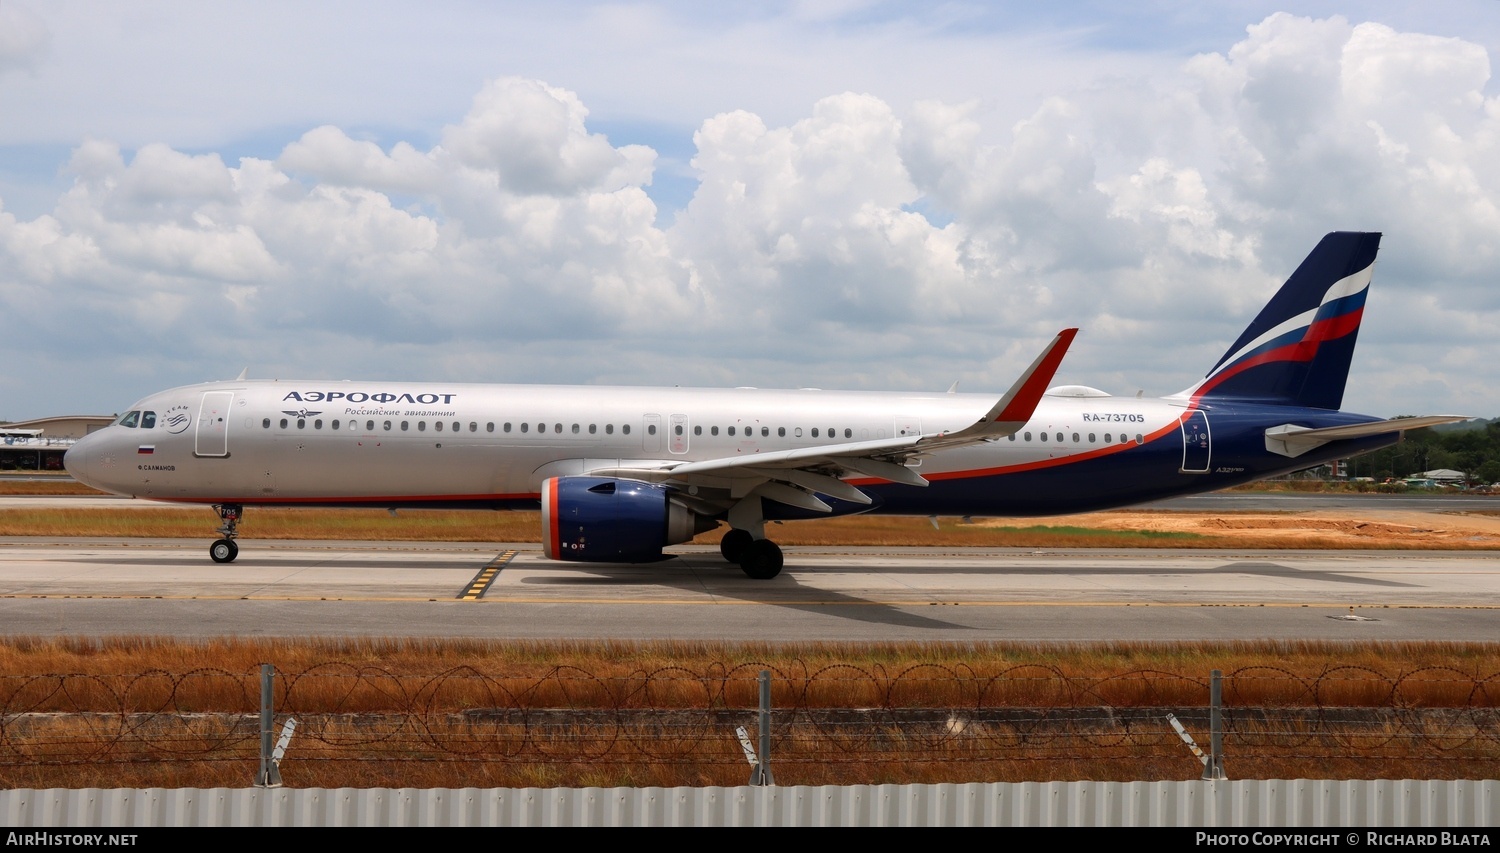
[{"x": 607, "y": 520}]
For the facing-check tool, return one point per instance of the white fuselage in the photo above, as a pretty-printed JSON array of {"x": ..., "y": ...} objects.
[{"x": 272, "y": 442}]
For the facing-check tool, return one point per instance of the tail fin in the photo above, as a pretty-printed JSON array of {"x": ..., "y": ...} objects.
[{"x": 1297, "y": 352}]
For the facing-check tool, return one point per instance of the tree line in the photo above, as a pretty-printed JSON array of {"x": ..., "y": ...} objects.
[{"x": 1471, "y": 448}]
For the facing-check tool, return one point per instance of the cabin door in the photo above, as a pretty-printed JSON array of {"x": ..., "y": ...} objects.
[
  {"x": 212, "y": 438},
  {"x": 1196, "y": 444},
  {"x": 651, "y": 435}
]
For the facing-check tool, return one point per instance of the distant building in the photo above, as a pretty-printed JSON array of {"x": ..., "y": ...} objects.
[
  {"x": 1442, "y": 475},
  {"x": 39, "y": 445}
]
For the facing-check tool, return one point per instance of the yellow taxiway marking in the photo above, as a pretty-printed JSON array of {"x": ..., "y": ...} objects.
[{"x": 486, "y": 576}]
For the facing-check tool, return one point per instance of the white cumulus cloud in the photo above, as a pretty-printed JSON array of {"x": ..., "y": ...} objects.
[{"x": 865, "y": 242}]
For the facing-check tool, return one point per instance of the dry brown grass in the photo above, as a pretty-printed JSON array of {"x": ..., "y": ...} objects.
[
  {"x": 162, "y": 712},
  {"x": 1102, "y": 530},
  {"x": 46, "y": 485},
  {"x": 350, "y": 524}
]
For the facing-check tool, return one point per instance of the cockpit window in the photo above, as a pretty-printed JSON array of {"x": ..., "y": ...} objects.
[
  {"x": 129, "y": 419},
  {"x": 148, "y": 420}
]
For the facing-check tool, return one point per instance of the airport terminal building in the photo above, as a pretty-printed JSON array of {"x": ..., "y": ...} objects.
[{"x": 39, "y": 445}]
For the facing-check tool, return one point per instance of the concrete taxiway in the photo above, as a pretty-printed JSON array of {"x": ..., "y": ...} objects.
[{"x": 170, "y": 588}]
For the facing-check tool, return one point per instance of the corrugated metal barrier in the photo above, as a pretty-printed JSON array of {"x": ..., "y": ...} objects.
[{"x": 1264, "y": 803}]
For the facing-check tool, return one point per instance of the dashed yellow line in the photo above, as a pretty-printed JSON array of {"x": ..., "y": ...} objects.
[{"x": 486, "y": 576}]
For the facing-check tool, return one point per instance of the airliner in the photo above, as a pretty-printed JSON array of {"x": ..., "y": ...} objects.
[{"x": 621, "y": 473}]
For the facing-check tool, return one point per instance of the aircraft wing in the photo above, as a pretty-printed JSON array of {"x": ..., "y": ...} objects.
[{"x": 789, "y": 476}]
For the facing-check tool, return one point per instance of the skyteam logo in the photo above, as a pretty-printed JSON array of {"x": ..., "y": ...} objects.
[{"x": 176, "y": 419}]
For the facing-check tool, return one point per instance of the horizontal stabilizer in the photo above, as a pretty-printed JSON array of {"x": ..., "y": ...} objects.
[{"x": 1293, "y": 440}]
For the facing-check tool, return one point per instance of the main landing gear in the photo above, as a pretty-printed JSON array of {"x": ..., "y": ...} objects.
[
  {"x": 758, "y": 558},
  {"x": 225, "y": 550}
]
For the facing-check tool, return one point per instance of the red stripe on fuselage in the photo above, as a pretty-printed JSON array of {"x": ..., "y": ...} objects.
[{"x": 1040, "y": 463}]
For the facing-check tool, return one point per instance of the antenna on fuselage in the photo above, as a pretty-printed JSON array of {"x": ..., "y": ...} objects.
[
  {"x": 243, "y": 373},
  {"x": 953, "y": 389}
]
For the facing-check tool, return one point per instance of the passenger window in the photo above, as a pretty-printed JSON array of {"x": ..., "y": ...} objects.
[
  {"x": 557, "y": 427},
  {"x": 697, "y": 430},
  {"x": 437, "y": 426},
  {"x": 1044, "y": 438},
  {"x": 148, "y": 420},
  {"x": 651, "y": 430},
  {"x": 797, "y": 432},
  {"x": 301, "y": 423},
  {"x": 1012, "y": 436},
  {"x": 335, "y": 424},
  {"x": 731, "y": 430},
  {"x": 848, "y": 433},
  {"x": 593, "y": 429},
  {"x": 318, "y": 424},
  {"x": 265, "y": 424},
  {"x": 609, "y": 429},
  {"x": 781, "y": 432},
  {"x": 1140, "y": 439},
  {"x": 541, "y": 427},
  {"x": 1109, "y": 438},
  {"x": 387, "y": 426},
  {"x": 677, "y": 429},
  {"x": 405, "y": 425},
  {"x": 130, "y": 419},
  {"x": 625, "y": 429},
  {"x": 369, "y": 426},
  {"x": 283, "y": 423},
  {"x": 1027, "y": 436},
  {"x": 474, "y": 426},
  {"x": 814, "y": 432},
  {"x": 525, "y": 427},
  {"x": 1091, "y": 438},
  {"x": 713, "y": 430},
  {"x": 575, "y": 429},
  {"x": 421, "y": 426},
  {"x": 1075, "y": 438}
]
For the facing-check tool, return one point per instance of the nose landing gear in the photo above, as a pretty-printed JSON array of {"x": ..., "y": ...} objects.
[{"x": 225, "y": 550}]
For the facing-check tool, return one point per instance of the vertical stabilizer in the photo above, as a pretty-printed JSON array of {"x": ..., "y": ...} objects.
[{"x": 1298, "y": 350}]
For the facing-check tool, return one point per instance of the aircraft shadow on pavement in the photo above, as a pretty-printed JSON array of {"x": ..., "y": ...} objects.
[{"x": 784, "y": 591}]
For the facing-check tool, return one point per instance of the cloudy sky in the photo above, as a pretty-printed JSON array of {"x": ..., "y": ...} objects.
[{"x": 840, "y": 194}]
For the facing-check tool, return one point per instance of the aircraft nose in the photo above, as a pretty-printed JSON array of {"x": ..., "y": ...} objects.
[{"x": 75, "y": 460}]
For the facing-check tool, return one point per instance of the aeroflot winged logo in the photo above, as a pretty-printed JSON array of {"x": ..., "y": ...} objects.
[{"x": 366, "y": 397}]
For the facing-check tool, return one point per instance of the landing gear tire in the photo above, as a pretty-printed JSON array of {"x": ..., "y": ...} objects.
[
  {"x": 223, "y": 551},
  {"x": 761, "y": 560},
  {"x": 734, "y": 543}
]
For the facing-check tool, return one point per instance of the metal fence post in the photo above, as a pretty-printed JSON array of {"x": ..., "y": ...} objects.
[
  {"x": 761, "y": 775},
  {"x": 1213, "y": 769},
  {"x": 269, "y": 775}
]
